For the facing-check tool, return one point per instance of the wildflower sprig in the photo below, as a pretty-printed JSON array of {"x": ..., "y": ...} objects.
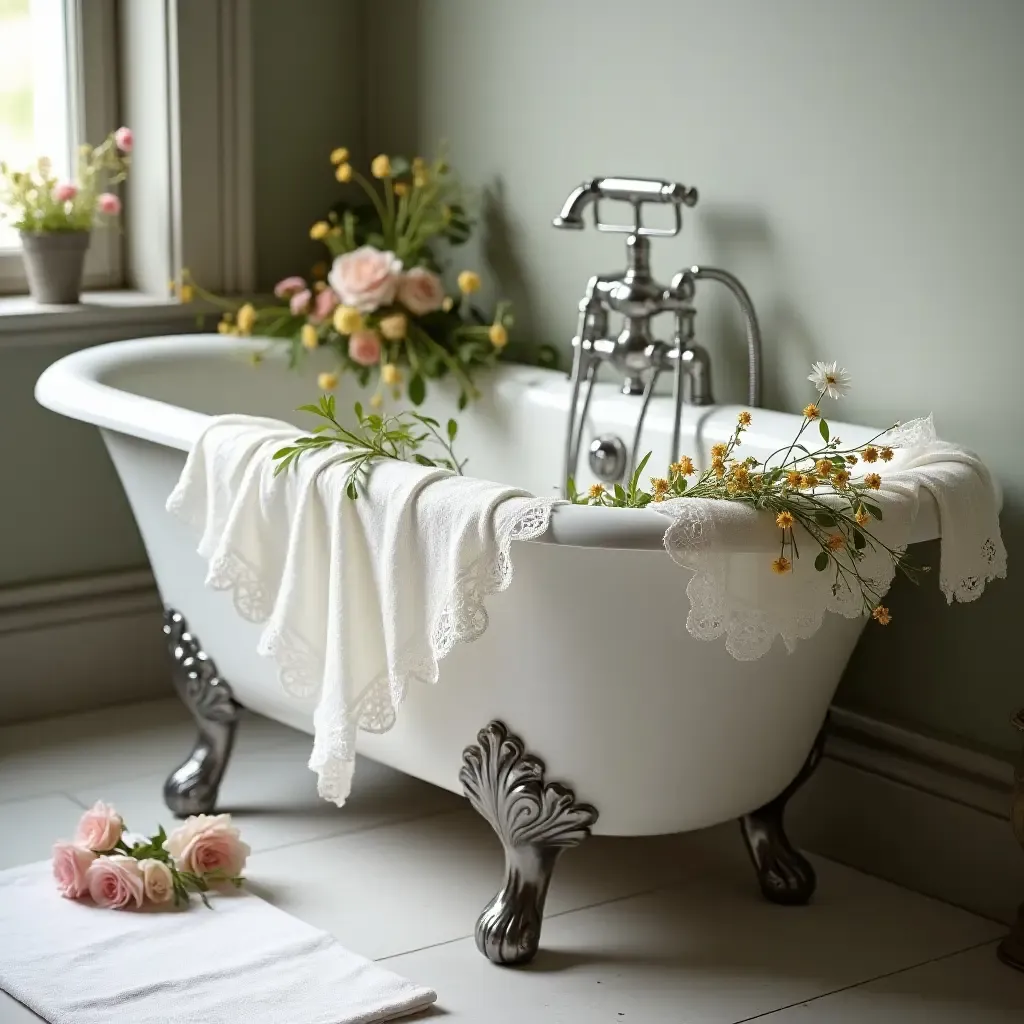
[
  {"x": 798, "y": 485},
  {"x": 401, "y": 436}
]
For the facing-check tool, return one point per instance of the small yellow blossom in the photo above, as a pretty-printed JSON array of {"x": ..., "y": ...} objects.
[
  {"x": 659, "y": 484},
  {"x": 781, "y": 565},
  {"x": 823, "y": 467},
  {"x": 596, "y": 490},
  {"x": 347, "y": 320},
  {"x": 343, "y": 173},
  {"x": 881, "y": 615},
  {"x": 744, "y": 418},
  {"x": 841, "y": 479},
  {"x": 381, "y": 166},
  {"x": 886, "y": 454},
  {"x": 394, "y": 327},
  {"x": 246, "y": 318},
  {"x": 446, "y": 303},
  {"x": 421, "y": 179},
  {"x": 851, "y": 459},
  {"x": 741, "y": 475},
  {"x": 377, "y": 400},
  {"x": 793, "y": 478},
  {"x": 339, "y": 155},
  {"x": 835, "y": 541},
  {"x": 684, "y": 467},
  {"x": 469, "y": 282},
  {"x": 186, "y": 293},
  {"x": 319, "y": 230},
  {"x": 718, "y": 468},
  {"x": 327, "y": 381},
  {"x": 811, "y": 412},
  {"x": 401, "y": 188},
  {"x": 310, "y": 339},
  {"x": 869, "y": 454},
  {"x": 873, "y": 480},
  {"x": 319, "y": 270},
  {"x": 861, "y": 517},
  {"x": 419, "y": 165},
  {"x": 224, "y": 327},
  {"x": 718, "y": 451},
  {"x": 498, "y": 335},
  {"x": 389, "y": 373},
  {"x": 808, "y": 480},
  {"x": 784, "y": 520},
  {"x": 732, "y": 487}
]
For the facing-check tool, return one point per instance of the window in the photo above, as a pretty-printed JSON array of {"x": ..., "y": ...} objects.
[{"x": 57, "y": 90}]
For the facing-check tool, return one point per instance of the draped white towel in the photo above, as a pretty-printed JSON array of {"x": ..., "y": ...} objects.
[
  {"x": 242, "y": 961},
  {"x": 359, "y": 597}
]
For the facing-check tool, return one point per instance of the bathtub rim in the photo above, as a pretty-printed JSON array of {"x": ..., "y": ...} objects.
[{"x": 73, "y": 386}]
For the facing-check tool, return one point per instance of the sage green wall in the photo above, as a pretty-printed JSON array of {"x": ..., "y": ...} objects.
[{"x": 859, "y": 167}]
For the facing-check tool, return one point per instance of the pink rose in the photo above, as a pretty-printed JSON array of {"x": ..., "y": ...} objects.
[
  {"x": 99, "y": 828},
  {"x": 366, "y": 279},
  {"x": 364, "y": 348},
  {"x": 157, "y": 880},
  {"x": 205, "y": 843},
  {"x": 324, "y": 305},
  {"x": 124, "y": 140},
  {"x": 65, "y": 191},
  {"x": 70, "y": 865},
  {"x": 109, "y": 203},
  {"x": 299, "y": 302},
  {"x": 420, "y": 291},
  {"x": 288, "y": 286},
  {"x": 115, "y": 882}
]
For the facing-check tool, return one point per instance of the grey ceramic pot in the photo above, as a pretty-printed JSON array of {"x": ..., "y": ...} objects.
[{"x": 54, "y": 263}]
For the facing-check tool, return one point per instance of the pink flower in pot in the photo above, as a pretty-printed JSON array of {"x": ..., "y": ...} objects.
[
  {"x": 109, "y": 203},
  {"x": 124, "y": 140},
  {"x": 65, "y": 191},
  {"x": 366, "y": 279}
]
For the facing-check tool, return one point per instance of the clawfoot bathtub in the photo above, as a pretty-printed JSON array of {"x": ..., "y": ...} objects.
[{"x": 586, "y": 660}]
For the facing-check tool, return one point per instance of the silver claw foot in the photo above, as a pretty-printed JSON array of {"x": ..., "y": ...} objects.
[
  {"x": 785, "y": 874},
  {"x": 535, "y": 822},
  {"x": 192, "y": 787}
]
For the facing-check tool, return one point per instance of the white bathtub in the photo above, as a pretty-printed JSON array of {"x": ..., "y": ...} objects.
[{"x": 586, "y": 658}]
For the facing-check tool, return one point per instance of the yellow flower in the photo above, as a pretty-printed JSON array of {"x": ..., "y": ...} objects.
[
  {"x": 873, "y": 480},
  {"x": 319, "y": 230},
  {"x": 389, "y": 373},
  {"x": 823, "y": 468},
  {"x": 347, "y": 320},
  {"x": 469, "y": 282},
  {"x": 851, "y": 459},
  {"x": 421, "y": 179},
  {"x": 808, "y": 480},
  {"x": 419, "y": 165},
  {"x": 498, "y": 335},
  {"x": 793, "y": 478},
  {"x": 381, "y": 166},
  {"x": 718, "y": 451},
  {"x": 401, "y": 188},
  {"x": 881, "y": 615},
  {"x": 781, "y": 565},
  {"x": 861, "y": 517},
  {"x": 869, "y": 454},
  {"x": 659, "y": 484},
  {"x": 886, "y": 454},
  {"x": 310, "y": 339},
  {"x": 246, "y": 318},
  {"x": 319, "y": 270},
  {"x": 784, "y": 520},
  {"x": 447, "y": 303},
  {"x": 732, "y": 487},
  {"x": 327, "y": 381},
  {"x": 835, "y": 541},
  {"x": 224, "y": 327},
  {"x": 684, "y": 467},
  {"x": 186, "y": 293},
  {"x": 718, "y": 468},
  {"x": 741, "y": 475},
  {"x": 811, "y": 412},
  {"x": 744, "y": 419},
  {"x": 343, "y": 173},
  {"x": 377, "y": 400},
  {"x": 841, "y": 479},
  {"x": 596, "y": 490},
  {"x": 394, "y": 327},
  {"x": 339, "y": 155}
]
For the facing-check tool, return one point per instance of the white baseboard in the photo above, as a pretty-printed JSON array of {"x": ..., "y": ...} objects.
[
  {"x": 79, "y": 644},
  {"x": 923, "y": 813}
]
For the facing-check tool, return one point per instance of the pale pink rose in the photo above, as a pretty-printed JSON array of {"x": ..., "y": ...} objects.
[
  {"x": 124, "y": 140},
  {"x": 366, "y": 279},
  {"x": 288, "y": 286},
  {"x": 324, "y": 305},
  {"x": 70, "y": 864},
  {"x": 364, "y": 348},
  {"x": 299, "y": 302},
  {"x": 99, "y": 828},
  {"x": 205, "y": 843},
  {"x": 420, "y": 291},
  {"x": 65, "y": 191},
  {"x": 109, "y": 203},
  {"x": 157, "y": 880},
  {"x": 115, "y": 882}
]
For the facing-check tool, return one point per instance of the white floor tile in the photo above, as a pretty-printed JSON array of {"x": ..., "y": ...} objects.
[
  {"x": 29, "y": 828},
  {"x": 968, "y": 988}
]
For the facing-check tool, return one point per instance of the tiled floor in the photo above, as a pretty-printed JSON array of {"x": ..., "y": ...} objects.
[{"x": 641, "y": 930}]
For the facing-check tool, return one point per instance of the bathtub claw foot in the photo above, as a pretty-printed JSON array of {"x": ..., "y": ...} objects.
[
  {"x": 192, "y": 787},
  {"x": 535, "y": 821},
  {"x": 785, "y": 874}
]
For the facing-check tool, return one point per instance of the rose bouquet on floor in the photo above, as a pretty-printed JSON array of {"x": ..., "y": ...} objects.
[
  {"x": 380, "y": 304},
  {"x": 119, "y": 871}
]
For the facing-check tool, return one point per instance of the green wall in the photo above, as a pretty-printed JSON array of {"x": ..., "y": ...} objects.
[{"x": 859, "y": 168}]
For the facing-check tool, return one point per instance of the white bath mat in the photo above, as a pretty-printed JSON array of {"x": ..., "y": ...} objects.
[{"x": 243, "y": 961}]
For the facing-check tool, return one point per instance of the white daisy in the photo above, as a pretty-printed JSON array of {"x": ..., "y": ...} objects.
[{"x": 830, "y": 378}]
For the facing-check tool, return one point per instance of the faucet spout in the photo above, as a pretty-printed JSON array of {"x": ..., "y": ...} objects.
[{"x": 571, "y": 215}]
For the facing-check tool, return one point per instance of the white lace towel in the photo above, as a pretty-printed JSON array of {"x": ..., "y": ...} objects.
[
  {"x": 359, "y": 597},
  {"x": 733, "y": 591}
]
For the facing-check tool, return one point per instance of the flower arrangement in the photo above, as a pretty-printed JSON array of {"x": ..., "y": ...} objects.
[
  {"x": 120, "y": 872},
  {"x": 380, "y": 304}
]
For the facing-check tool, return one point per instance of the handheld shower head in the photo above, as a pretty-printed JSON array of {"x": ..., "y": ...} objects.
[
  {"x": 578, "y": 200},
  {"x": 636, "y": 192}
]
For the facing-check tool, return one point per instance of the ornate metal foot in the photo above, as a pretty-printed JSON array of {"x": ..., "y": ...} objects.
[
  {"x": 785, "y": 874},
  {"x": 535, "y": 821},
  {"x": 1011, "y": 949},
  {"x": 192, "y": 787}
]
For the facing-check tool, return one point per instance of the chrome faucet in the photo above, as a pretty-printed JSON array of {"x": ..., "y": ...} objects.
[{"x": 636, "y": 297}]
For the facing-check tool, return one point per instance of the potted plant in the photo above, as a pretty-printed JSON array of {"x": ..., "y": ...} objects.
[{"x": 55, "y": 217}]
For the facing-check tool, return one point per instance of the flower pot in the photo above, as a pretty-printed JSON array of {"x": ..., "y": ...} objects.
[{"x": 54, "y": 263}]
